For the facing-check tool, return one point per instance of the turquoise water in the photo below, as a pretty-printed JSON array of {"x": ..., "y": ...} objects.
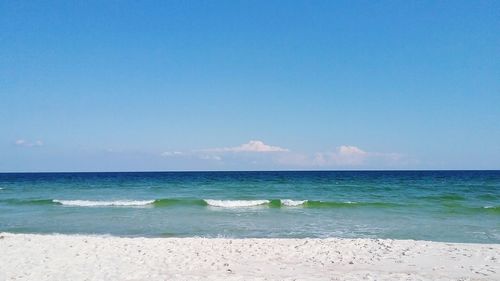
[{"x": 454, "y": 206}]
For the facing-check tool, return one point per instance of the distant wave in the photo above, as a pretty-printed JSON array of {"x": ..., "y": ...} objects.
[
  {"x": 444, "y": 197},
  {"x": 171, "y": 202},
  {"x": 489, "y": 197},
  {"x": 349, "y": 204},
  {"x": 292, "y": 203},
  {"x": 30, "y": 201},
  {"x": 88, "y": 203},
  {"x": 236, "y": 203},
  {"x": 492, "y": 209},
  {"x": 277, "y": 203}
]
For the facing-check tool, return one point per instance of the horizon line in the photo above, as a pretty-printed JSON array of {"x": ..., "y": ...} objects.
[{"x": 252, "y": 171}]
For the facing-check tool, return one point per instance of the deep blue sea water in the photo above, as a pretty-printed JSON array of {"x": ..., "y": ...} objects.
[{"x": 454, "y": 206}]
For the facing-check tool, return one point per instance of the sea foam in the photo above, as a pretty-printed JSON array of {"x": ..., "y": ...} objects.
[
  {"x": 88, "y": 203},
  {"x": 235, "y": 203},
  {"x": 292, "y": 203},
  {"x": 251, "y": 203}
]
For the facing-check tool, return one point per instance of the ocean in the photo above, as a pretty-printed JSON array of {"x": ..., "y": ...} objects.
[{"x": 451, "y": 206}]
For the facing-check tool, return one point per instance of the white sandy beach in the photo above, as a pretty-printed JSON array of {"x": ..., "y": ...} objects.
[{"x": 75, "y": 257}]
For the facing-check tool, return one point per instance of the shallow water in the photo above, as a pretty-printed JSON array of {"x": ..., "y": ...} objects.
[{"x": 455, "y": 206}]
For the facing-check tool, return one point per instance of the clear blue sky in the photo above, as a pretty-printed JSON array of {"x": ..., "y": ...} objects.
[{"x": 187, "y": 85}]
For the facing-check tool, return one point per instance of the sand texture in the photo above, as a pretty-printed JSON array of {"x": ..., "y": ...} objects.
[{"x": 77, "y": 257}]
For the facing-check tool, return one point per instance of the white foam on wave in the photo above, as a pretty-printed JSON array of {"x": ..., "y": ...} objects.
[
  {"x": 292, "y": 203},
  {"x": 88, "y": 203},
  {"x": 235, "y": 203}
]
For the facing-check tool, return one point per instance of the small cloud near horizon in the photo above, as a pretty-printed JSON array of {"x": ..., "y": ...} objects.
[
  {"x": 251, "y": 146},
  {"x": 202, "y": 156},
  {"x": 343, "y": 156},
  {"x": 25, "y": 143},
  {"x": 171, "y": 153}
]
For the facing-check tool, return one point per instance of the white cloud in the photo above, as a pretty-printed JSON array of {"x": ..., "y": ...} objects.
[
  {"x": 171, "y": 153},
  {"x": 350, "y": 150},
  {"x": 259, "y": 153},
  {"x": 251, "y": 146},
  {"x": 343, "y": 156},
  {"x": 242, "y": 153},
  {"x": 191, "y": 155},
  {"x": 348, "y": 155},
  {"x": 25, "y": 143}
]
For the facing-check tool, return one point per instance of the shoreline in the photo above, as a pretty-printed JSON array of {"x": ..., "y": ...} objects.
[
  {"x": 102, "y": 257},
  {"x": 147, "y": 237}
]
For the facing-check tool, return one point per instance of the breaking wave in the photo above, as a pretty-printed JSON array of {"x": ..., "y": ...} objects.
[
  {"x": 172, "y": 202},
  {"x": 88, "y": 203},
  {"x": 236, "y": 203}
]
